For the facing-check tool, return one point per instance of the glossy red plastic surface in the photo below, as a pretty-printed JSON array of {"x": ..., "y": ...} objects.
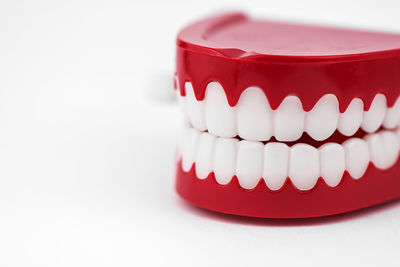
[
  {"x": 376, "y": 186},
  {"x": 286, "y": 59}
]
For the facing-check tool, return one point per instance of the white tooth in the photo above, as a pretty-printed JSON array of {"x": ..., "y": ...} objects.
[
  {"x": 304, "y": 166},
  {"x": 392, "y": 117},
  {"x": 276, "y": 160},
  {"x": 254, "y": 115},
  {"x": 225, "y": 159},
  {"x": 391, "y": 144},
  {"x": 180, "y": 142},
  {"x": 374, "y": 117},
  {"x": 397, "y": 133},
  {"x": 249, "y": 166},
  {"x": 220, "y": 117},
  {"x": 350, "y": 120},
  {"x": 194, "y": 108},
  {"x": 204, "y": 155},
  {"x": 332, "y": 162},
  {"x": 377, "y": 151},
  {"x": 183, "y": 140},
  {"x": 384, "y": 149},
  {"x": 321, "y": 121},
  {"x": 189, "y": 148},
  {"x": 181, "y": 103},
  {"x": 357, "y": 157},
  {"x": 289, "y": 119}
]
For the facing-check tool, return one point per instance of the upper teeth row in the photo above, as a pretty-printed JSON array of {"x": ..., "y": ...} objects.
[
  {"x": 253, "y": 119},
  {"x": 251, "y": 161}
]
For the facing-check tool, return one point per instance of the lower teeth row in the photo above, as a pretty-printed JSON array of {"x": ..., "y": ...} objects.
[{"x": 251, "y": 161}]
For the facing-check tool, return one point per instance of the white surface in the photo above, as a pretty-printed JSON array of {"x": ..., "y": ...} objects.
[{"x": 86, "y": 173}]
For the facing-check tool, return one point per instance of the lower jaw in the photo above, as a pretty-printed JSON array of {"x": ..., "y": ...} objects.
[{"x": 375, "y": 187}]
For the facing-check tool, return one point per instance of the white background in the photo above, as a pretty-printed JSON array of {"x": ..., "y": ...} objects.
[{"x": 87, "y": 150}]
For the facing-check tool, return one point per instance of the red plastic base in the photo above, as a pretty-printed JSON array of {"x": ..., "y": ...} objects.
[{"x": 375, "y": 187}]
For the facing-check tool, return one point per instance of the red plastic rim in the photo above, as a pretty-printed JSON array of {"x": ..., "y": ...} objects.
[
  {"x": 346, "y": 63},
  {"x": 375, "y": 187}
]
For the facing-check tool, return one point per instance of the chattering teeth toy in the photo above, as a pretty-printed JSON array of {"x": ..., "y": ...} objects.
[{"x": 285, "y": 120}]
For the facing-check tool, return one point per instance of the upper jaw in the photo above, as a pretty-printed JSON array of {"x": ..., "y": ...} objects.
[{"x": 259, "y": 79}]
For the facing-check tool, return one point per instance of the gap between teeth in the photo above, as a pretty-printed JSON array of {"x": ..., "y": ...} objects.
[
  {"x": 253, "y": 119},
  {"x": 251, "y": 161}
]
